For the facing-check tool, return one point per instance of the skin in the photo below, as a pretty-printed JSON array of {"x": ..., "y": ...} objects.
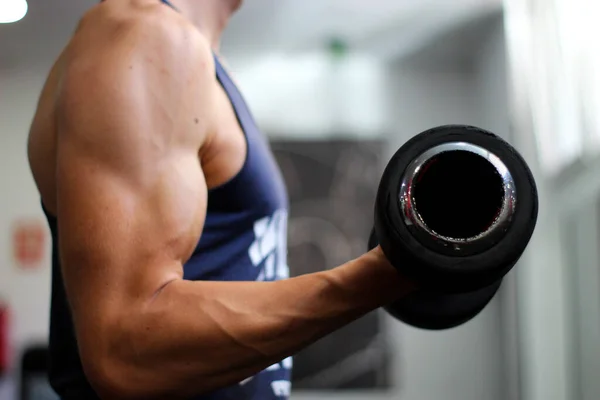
[{"x": 130, "y": 131}]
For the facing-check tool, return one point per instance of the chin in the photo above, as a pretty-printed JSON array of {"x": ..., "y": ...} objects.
[{"x": 236, "y": 4}]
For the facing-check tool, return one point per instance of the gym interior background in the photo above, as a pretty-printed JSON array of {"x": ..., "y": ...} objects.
[{"x": 341, "y": 80}]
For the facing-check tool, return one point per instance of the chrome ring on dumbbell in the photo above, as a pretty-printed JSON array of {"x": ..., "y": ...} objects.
[{"x": 479, "y": 241}]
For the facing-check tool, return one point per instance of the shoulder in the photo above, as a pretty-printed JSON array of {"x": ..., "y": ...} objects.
[
  {"x": 117, "y": 31},
  {"x": 133, "y": 72},
  {"x": 137, "y": 47}
]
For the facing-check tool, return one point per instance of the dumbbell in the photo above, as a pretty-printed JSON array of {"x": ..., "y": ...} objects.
[{"x": 455, "y": 210}]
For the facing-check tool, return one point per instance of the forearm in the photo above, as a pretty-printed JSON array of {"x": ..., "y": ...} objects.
[{"x": 195, "y": 337}]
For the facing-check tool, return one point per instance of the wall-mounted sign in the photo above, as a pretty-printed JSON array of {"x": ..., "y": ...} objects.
[{"x": 29, "y": 243}]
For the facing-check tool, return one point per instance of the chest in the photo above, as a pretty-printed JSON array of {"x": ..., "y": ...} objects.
[
  {"x": 244, "y": 233},
  {"x": 225, "y": 154},
  {"x": 239, "y": 167}
]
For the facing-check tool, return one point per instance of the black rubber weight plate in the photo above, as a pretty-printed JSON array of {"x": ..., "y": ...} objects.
[
  {"x": 437, "y": 311},
  {"x": 445, "y": 273}
]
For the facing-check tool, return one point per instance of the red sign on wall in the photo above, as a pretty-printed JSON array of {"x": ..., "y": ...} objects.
[
  {"x": 3, "y": 338},
  {"x": 29, "y": 243}
]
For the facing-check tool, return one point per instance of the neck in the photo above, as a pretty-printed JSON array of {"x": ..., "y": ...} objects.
[{"x": 209, "y": 16}]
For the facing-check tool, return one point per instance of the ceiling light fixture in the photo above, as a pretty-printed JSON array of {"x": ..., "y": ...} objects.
[{"x": 12, "y": 10}]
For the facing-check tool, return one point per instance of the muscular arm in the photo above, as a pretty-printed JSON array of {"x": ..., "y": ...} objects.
[{"x": 133, "y": 117}]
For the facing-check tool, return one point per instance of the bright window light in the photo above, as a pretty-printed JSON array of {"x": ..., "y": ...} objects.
[{"x": 12, "y": 10}]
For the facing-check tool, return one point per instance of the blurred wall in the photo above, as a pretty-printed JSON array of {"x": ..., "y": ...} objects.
[
  {"x": 554, "y": 104},
  {"x": 27, "y": 292},
  {"x": 317, "y": 94},
  {"x": 314, "y": 95}
]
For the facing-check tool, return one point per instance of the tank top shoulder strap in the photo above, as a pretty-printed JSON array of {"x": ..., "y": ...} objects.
[
  {"x": 240, "y": 106},
  {"x": 167, "y": 2},
  {"x": 235, "y": 97}
]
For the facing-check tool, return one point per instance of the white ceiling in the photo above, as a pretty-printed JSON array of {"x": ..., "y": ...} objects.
[
  {"x": 304, "y": 23},
  {"x": 385, "y": 27}
]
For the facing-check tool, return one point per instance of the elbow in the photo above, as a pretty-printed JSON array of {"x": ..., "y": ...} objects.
[
  {"x": 113, "y": 378},
  {"x": 110, "y": 381},
  {"x": 115, "y": 368}
]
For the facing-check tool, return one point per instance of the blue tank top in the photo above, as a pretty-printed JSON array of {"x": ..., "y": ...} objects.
[{"x": 244, "y": 239}]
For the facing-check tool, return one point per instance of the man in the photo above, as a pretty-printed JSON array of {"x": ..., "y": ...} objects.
[{"x": 168, "y": 217}]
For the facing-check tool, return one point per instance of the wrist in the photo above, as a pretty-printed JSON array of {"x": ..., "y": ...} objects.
[{"x": 372, "y": 280}]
